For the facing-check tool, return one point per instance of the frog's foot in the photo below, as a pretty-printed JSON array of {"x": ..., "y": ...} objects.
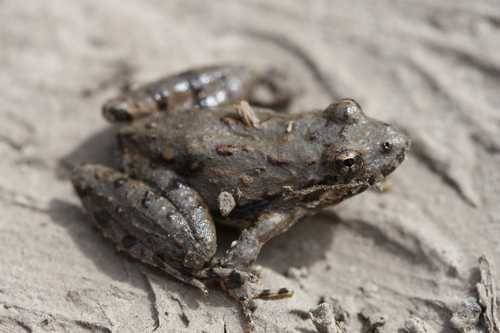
[
  {"x": 244, "y": 294},
  {"x": 188, "y": 275}
]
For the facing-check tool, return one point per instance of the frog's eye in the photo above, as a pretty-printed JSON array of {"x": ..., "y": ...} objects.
[{"x": 348, "y": 163}]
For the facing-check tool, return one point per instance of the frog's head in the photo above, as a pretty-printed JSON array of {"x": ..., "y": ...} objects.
[{"x": 368, "y": 150}]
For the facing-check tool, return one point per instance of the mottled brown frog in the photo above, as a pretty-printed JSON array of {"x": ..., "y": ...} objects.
[{"x": 194, "y": 152}]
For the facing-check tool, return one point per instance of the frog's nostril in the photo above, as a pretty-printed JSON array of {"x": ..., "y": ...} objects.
[{"x": 387, "y": 146}]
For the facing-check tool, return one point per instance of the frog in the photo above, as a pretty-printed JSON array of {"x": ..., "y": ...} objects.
[{"x": 193, "y": 151}]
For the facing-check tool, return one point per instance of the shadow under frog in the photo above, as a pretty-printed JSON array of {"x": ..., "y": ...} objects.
[{"x": 189, "y": 156}]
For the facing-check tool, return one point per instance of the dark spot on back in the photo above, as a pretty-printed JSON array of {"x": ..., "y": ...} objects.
[
  {"x": 103, "y": 218},
  {"x": 314, "y": 136},
  {"x": 128, "y": 241},
  {"x": 278, "y": 160},
  {"x": 225, "y": 150}
]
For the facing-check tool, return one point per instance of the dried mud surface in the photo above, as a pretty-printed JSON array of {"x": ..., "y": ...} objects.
[{"x": 430, "y": 68}]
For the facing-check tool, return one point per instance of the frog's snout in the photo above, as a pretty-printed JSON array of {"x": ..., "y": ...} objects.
[
  {"x": 397, "y": 149},
  {"x": 403, "y": 143}
]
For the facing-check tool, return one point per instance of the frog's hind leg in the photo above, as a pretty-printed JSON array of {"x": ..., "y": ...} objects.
[
  {"x": 166, "y": 224},
  {"x": 145, "y": 224}
]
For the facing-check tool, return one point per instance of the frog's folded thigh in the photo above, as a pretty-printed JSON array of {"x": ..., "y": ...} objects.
[{"x": 172, "y": 230}]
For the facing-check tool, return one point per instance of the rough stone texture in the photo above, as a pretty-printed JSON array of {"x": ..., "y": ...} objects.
[{"x": 431, "y": 68}]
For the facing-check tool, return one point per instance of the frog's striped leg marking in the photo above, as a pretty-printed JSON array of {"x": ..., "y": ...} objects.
[
  {"x": 225, "y": 273},
  {"x": 151, "y": 227},
  {"x": 245, "y": 295}
]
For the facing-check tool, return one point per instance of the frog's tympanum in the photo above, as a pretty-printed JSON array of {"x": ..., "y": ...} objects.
[{"x": 194, "y": 151}]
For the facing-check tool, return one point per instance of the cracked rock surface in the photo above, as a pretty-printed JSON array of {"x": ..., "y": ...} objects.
[{"x": 430, "y": 68}]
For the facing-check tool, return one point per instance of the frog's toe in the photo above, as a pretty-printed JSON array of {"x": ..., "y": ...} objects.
[
  {"x": 256, "y": 270},
  {"x": 244, "y": 294}
]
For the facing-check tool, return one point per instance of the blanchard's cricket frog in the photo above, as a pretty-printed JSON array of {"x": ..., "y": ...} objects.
[{"x": 193, "y": 152}]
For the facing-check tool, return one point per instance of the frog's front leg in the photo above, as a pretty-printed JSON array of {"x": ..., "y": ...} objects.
[
  {"x": 170, "y": 228},
  {"x": 244, "y": 252}
]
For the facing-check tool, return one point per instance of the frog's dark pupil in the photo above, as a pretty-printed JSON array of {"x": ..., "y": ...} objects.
[{"x": 349, "y": 162}]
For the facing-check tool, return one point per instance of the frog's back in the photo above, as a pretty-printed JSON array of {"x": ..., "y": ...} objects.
[{"x": 215, "y": 151}]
